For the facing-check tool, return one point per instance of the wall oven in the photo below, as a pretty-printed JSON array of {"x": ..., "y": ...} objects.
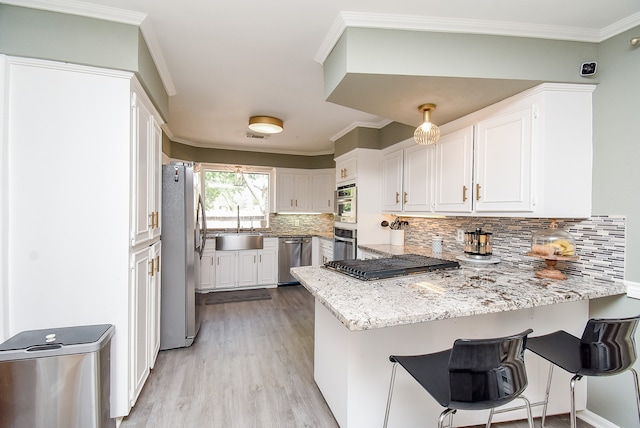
[
  {"x": 346, "y": 204},
  {"x": 344, "y": 244}
]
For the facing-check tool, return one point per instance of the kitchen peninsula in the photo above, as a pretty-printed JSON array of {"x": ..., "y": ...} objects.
[{"x": 358, "y": 324}]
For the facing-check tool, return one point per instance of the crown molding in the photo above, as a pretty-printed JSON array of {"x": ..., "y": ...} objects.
[
  {"x": 354, "y": 125},
  {"x": 106, "y": 13},
  {"x": 345, "y": 20}
]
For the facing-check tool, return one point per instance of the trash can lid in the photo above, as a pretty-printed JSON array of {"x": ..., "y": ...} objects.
[{"x": 56, "y": 341}]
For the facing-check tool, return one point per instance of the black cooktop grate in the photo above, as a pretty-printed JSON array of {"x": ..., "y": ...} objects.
[{"x": 405, "y": 264}]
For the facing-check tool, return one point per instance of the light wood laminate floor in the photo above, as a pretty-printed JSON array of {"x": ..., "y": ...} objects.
[{"x": 251, "y": 366}]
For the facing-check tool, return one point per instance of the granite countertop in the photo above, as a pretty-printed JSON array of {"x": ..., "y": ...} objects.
[{"x": 473, "y": 289}]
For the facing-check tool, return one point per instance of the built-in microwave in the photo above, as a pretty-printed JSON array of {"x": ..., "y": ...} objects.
[{"x": 346, "y": 204}]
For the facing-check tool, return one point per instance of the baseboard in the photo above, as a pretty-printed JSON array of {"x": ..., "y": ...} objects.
[{"x": 595, "y": 420}]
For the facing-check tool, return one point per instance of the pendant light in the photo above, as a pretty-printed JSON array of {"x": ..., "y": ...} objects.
[
  {"x": 265, "y": 124},
  {"x": 428, "y": 132}
]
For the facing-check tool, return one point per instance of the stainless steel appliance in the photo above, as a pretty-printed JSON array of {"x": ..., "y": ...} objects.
[
  {"x": 401, "y": 265},
  {"x": 292, "y": 252},
  {"x": 346, "y": 204},
  {"x": 183, "y": 240},
  {"x": 344, "y": 243},
  {"x": 57, "y": 378}
]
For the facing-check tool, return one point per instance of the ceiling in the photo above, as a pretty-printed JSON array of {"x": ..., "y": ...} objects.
[{"x": 224, "y": 61}]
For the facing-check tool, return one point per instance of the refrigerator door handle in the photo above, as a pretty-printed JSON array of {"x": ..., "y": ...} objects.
[{"x": 202, "y": 226}]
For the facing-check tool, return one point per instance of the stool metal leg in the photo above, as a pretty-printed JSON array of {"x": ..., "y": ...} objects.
[
  {"x": 637, "y": 387},
  {"x": 546, "y": 395},
  {"x": 573, "y": 399},
  {"x": 443, "y": 416},
  {"x": 393, "y": 380}
]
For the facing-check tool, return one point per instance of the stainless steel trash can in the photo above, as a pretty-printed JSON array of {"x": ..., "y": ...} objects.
[{"x": 57, "y": 378}]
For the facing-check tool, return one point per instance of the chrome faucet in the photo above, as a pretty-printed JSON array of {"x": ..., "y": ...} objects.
[{"x": 238, "y": 231}]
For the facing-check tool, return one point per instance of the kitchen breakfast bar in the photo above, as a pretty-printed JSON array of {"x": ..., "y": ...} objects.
[{"x": 358, "y": 324}]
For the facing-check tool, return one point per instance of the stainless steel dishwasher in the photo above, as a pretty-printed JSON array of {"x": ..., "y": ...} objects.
[{"x": 292, "y": 252}]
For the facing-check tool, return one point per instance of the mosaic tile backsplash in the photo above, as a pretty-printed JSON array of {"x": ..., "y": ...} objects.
[
  {"x": 304, "y": 224},
  {"x": 600, "y": 240}
]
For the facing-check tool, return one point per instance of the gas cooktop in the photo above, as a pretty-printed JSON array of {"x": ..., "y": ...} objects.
[{"x": 402, "y": 265}]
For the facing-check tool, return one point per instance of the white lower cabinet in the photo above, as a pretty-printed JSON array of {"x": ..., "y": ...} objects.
[
  {"x": 155, "y": 298},
  {"x": 239, "y": 269},
  {"x": 144, "y": 316},
  {"x": 268, "y": 262},
  {"x": 247, "y": 270},
  {"x": 207, "y": 269},
  {"x": 326, "y": 251}
]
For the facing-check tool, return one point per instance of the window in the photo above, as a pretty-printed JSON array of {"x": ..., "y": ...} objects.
[{"x": 240, "y": 193}]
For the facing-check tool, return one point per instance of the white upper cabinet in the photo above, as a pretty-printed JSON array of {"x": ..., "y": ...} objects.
[
  {"x": 527, "y": 156},
  {"x": 503, "y": 163},
  {"x": 146, "y": 146},
  {"x": 303, "y": 190},
  {"x": 346, "y": 169},
  {"x": 454, "y": 160},
  {"x": 407, "y": 179},
  {"x": 323, "y": 186}
]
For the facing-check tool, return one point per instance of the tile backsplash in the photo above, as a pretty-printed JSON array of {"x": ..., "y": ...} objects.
[
  {"x": 305, "y": 224},
  {"x": 600, "y": 240}
]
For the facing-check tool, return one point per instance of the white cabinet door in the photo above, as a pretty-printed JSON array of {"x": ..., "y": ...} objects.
[
  {"x": 155, "y": 200},
  {"x": 139, "y": 321},
  {"x": 326, "y": 251},
  {"x": 418, "y": 178},
  {"x": 392, "y": 194},
  {"x": 503, "y": 158},
  {"x": 142, "y": 219},
  {"x": 207, "y": 270},
  {"x": 247, "y": 268},
  {"x": 322, "y": 191},
  {"x": 292, "y": 189},
  {"x": 346, "y": 170},
  {"x": 268, "y": 266},
  {"x": 155, "y": 303},
  {"x": 454, "y": 157},
  {"x": 226, "y": 268}
]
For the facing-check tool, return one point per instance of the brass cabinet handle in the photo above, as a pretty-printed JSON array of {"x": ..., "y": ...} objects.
[
  {"x": 464, "y": 193},
  {"x": 152, "y": 266},
  {"x": 477, "y": 192},
  {"x": 405, "y": 197},
  {"x": 158, "y": 264},
  {"x": 397, "y": 197}
]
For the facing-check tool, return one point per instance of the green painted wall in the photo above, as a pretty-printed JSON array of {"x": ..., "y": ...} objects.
[
  {"x": 616, "y": 147},
  {"x": 197, "y": 154},
  {"x": 55, "y": 36},
  {"x": 423, "y": 53}
]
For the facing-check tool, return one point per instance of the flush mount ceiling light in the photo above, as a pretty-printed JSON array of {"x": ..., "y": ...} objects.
[
  {"x": 265, "y": 124},
  {"x": 427, "y": 133},
  {"x": 634, "y": 41}
]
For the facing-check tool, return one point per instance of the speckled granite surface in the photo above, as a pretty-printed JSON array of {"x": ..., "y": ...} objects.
[{"x": 471, "y": 290}]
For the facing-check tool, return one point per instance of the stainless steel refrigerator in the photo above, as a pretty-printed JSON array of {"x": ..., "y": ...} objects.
[{"x": 183, "y": 240}]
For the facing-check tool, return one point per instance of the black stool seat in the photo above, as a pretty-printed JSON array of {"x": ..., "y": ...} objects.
[
  {"x": 607, "y": 347},
  {"x": 476, "y": 374}
]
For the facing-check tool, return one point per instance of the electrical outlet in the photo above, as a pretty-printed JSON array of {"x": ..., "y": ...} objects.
[
  {"x": 460, "y": 235},
  {"x": 296, "y": 222}
]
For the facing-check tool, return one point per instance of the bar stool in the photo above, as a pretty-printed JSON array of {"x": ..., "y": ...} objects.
[
  {"x": 607, "y": 348},
  {"x": 476, "y": 374}
]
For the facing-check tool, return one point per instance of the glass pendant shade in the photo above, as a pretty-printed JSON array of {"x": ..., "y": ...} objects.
[{"x": 427, "y": 133}]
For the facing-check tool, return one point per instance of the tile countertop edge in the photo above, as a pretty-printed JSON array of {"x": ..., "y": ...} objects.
[{"x": 349, "y": 306}]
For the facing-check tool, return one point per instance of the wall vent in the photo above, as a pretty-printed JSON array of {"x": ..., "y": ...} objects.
[{"x": 260, "y": 137}]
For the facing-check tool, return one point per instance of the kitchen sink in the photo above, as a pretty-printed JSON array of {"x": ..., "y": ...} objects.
[{"x": 239, "y": 241}]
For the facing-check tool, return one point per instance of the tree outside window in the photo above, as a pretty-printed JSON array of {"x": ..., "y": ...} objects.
[{"x": 228, "y": 192}]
